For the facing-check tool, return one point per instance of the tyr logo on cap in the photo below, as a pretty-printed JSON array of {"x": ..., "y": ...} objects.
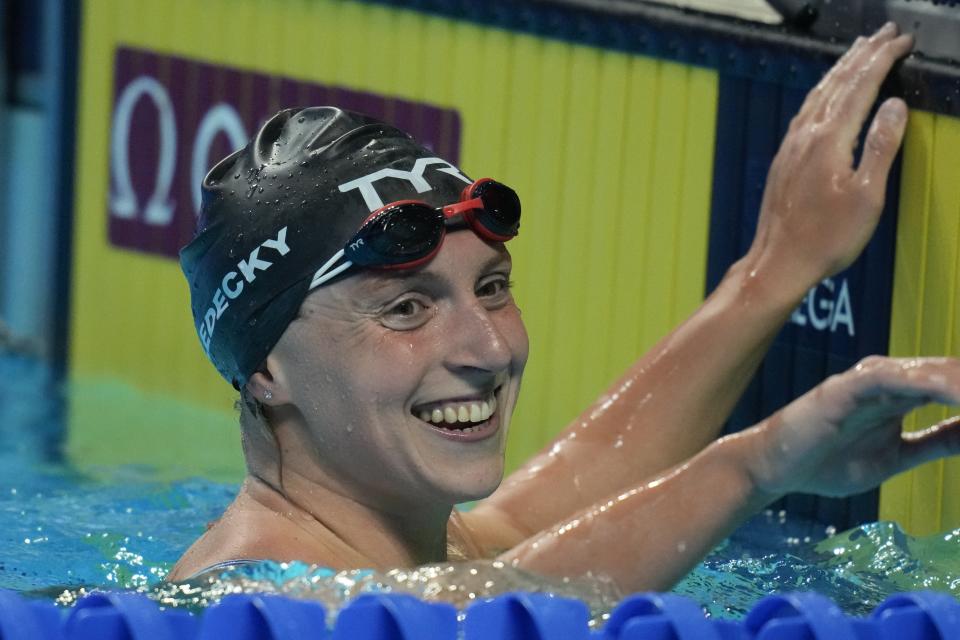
[{"x": 415, "y": 177}]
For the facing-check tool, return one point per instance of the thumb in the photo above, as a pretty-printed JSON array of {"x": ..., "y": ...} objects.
[
  {"x": 933, "y": 443},
  {"x": 880, "y": 148}
]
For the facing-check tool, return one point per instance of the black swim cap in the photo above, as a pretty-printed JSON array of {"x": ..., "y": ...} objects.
[{"x": 276, "y": 210}]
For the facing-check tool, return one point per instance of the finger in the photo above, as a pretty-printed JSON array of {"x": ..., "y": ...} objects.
[
  {"x": 939, "y": 441},
  {"x": 922, "y": 379},
  {"x": 886, "y": 404},
  {"x": 824, "y": 91},
  {"x": 880, "y": 389},
  {"x": 885, "y": 32},
  {"x": 860, "y": 51},
  {"x": 880, "y": 147},
  {"x": 861, "y": 84}
]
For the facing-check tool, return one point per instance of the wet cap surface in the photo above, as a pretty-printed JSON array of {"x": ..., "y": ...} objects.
[{"x": 276, "y": 210}]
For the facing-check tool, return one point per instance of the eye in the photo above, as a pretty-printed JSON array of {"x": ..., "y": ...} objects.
[
  {"x": 405, "y": 314},
  {"x": 495, "y": 288},
  {"x": 406, "y": 308}
]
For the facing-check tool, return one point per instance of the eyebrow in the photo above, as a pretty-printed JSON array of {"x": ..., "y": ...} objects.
[{"x": 376, "y": 281}]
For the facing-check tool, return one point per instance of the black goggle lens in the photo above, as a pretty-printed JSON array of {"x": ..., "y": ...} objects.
[
  {"x": 400, "y": 234},
  {"x": 408, "y": 231},
  {"x": 501, "y": 206}
]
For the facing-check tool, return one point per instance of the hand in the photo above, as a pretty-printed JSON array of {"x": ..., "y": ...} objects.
[
  {"x": 818, "y": 211},
  {"x": 845, "y": 436}
]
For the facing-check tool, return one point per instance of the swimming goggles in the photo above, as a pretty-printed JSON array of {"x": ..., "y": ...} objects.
[{"x": 407, "y": 233}]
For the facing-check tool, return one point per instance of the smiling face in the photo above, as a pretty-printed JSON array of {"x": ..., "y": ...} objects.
[{"x": 378, "y": 365}]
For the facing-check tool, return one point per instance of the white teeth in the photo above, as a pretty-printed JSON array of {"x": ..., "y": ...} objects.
[
  {"x": 467, "y": 430},
  {"x": 473, "y": 412}
]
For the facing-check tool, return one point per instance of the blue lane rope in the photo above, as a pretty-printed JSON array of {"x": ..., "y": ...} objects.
[{"x": 921, "y": 615}]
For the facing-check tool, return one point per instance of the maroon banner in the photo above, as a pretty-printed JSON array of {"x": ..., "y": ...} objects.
[{"x": 173, "y": 118}]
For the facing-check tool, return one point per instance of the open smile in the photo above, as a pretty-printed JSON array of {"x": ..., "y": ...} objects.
[{"x": 464, "y": 420}]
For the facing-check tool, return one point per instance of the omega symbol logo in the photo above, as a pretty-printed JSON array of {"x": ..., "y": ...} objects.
[{"x": 158, "y": 209}]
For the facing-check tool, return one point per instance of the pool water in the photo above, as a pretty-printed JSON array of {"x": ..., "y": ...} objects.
[{"x": 64, "y": 532}]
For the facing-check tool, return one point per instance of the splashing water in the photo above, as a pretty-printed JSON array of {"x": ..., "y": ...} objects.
[
  {"x": 858, "y": 568},
  {"x": 124, "y": 531},
  {"x": 458, "y": 584}
]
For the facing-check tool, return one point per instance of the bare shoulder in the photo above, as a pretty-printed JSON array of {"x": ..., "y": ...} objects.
[
  {"x": 220, "y": 543},
  {"x": 249, "y": 531}
]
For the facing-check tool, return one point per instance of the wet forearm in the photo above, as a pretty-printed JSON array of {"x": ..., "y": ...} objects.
[
  {"x": 649, "y": 537},
  {"x": 678, "y": 396}
]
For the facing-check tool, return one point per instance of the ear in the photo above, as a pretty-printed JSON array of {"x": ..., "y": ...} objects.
[{"x": 268, "y": 385}]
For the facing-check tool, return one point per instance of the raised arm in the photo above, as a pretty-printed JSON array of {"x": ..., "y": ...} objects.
[
  {"x": 841, "y": 438},
  {"x": 818, "y": 213}
]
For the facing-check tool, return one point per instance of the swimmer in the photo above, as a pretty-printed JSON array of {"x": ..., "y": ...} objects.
[{"x": 356, "y": 290}]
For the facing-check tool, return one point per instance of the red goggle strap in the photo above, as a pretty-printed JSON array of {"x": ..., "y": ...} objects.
[
  {"x": 461, "y": 207},
  {"x": 467, "y": 209}
]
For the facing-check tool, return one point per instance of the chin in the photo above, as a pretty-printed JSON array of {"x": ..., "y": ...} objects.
[{"x": 468, "y": 488}]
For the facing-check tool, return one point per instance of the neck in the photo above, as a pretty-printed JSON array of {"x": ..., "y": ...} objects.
[
  {"x": 337, "y": 530},
  {"x": 328, "y": 520}
]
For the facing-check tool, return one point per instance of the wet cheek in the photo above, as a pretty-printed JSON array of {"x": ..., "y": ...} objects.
[
  {"x": 515, "y": 332},
  {"x": 398, "y": 350},
  {"x": 391, "y": 366}
]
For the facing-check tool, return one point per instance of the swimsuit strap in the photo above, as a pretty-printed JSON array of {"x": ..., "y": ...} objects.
[{"x": 226, "y": 565}]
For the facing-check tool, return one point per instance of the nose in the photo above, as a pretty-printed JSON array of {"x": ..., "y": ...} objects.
[{"x": 479, "y": 341}]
